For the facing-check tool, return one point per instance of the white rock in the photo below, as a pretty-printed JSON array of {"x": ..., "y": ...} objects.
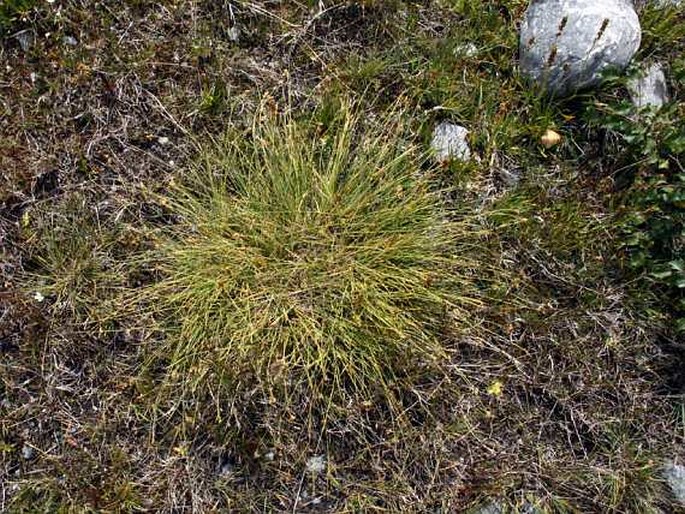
[
  {"x": 27, "y": 452},
  {"x": 675, "y": 476},
  {"x": 465, "y": 50},
  {"x": 566, "y": 45},
  {"x": 449, "y": 142},
  {"x": 648, "y": 88}
]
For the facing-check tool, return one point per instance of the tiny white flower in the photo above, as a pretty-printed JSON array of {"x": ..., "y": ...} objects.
[
  {"x": 316, "y": 464},
  {"x": 38, "y": 296}
]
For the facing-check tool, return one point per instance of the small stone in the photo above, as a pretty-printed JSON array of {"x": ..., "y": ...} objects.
[
  {"x": 466, "y": 50},
  {"x": 270, "y": 456},
  {"x": 69, "y": 41},
  {"x": 675, "y": 476},
  {"x": 648, "y": 88},
  {"x": 316, "y": 464},
  {"x": 163, "y": 140},
  {"x": 567, "y": 45},
  {"x": 449, "y": 143},
  {"x": 27, "y": 452}
]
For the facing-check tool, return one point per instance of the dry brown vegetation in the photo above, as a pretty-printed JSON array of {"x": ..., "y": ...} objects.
[{"x": 564, "y": 391}]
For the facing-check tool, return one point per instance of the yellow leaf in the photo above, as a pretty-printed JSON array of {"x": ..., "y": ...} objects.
[
  {"x": 182, "y": 450},
  {"x": 495, "y": 389}
]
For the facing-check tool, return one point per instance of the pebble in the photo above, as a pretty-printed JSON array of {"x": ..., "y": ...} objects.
[
  {"x": 27, "y": 452},
  {"x": 466, "y": 50},
  {"x": 449, "y": 142},
  {"x": 649, "y": 88}
]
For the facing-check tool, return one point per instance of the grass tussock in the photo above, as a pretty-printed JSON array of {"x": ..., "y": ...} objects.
[
  {"x": 305, "y": 291},
  {"x": 318, "y": 258}
]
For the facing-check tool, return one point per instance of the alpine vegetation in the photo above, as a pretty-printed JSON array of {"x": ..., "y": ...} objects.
[{"x": 313, "y": 258}]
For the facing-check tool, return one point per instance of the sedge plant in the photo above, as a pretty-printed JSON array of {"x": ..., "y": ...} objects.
[{"x": 316, "y": 257}]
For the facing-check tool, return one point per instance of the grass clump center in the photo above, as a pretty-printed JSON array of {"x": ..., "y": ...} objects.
[{"x": 309, "y": 255}]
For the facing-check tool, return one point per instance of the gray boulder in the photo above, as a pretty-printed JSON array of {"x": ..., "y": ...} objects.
[
  {"x": 566, "y": 45},
  {"x": 449, "y": 142},
  {"x": 649, "y": 88}
]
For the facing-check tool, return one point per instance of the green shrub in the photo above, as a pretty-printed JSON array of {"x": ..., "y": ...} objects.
[
  {"x": 651, "y": 211},
  {"x": 309, "y": 256}
]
